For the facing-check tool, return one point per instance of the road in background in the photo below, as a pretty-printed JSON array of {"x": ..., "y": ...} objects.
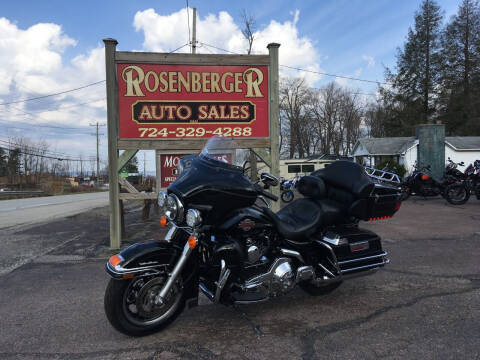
[{"x": 39, "y": 209}]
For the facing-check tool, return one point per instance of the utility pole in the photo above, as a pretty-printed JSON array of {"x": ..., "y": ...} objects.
[
  {"x": 98, "y": 157},
  {"x": 194, "y": 32}
]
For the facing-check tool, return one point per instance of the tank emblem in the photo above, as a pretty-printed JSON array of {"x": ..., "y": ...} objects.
[{"x": 246, "y": 225}]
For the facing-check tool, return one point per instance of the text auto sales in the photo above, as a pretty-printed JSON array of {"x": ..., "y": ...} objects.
[{"x": 138, "y": 83}]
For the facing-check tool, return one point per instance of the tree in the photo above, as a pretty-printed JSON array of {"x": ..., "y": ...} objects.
[
  {"x": 132, "y": 165},
  {"x": 418, "y": 66},
  {"x": 337, "y": 116},
  {"x": 249, "y": 26},
  {"x": 294, "y": 114},
  {"x": 461, "y": 71},
  {"x": 3, "y": 162},
  {"x": 13, "y": 164}
]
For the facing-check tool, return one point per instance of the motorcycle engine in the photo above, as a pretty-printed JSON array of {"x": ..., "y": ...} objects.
[{"x": 256, "y": 239}]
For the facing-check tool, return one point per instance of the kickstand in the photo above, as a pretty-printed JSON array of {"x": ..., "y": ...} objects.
[{"x": 256, "y": 328}]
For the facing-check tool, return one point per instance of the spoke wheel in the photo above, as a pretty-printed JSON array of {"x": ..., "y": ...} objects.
[
  {"x": 457, "y": 194},
  {"x": 133, "y": 307},
  {"x": 140, "y": 304}
]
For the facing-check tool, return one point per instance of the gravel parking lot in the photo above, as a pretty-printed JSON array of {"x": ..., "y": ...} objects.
[{"x": 424, "y": 305}]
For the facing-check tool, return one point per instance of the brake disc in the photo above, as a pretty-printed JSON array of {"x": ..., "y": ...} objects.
[{"x": 145, "y": 302}]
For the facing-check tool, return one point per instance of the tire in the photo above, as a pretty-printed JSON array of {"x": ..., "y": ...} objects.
[
  {"x": 457, "y": 194},
  {"x": 121, "y": 317},
  {"x": 313, "y": 290},
  {"x": 287, "y": 196}
]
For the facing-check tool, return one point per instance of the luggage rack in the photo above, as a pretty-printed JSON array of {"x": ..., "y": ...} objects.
[{"x": 383, "y": 176}]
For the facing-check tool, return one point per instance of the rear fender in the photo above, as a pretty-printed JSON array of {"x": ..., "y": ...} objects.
[{"x": 151, "y": 256}]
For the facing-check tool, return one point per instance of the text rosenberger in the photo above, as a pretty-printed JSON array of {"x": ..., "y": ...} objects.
[{"x": 138, "y": 83}]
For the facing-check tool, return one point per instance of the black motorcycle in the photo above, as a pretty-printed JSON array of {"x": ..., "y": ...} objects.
[
  {"x": 419, "y": 182},
  {"x": 459, "y": 193},
  {"x": 238, "y": 252}
]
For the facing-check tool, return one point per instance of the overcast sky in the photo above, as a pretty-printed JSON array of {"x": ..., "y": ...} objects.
[{"x": 48, "y": 47}]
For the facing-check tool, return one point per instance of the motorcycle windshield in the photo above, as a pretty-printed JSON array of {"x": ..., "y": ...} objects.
[
  {"x": 216, "y": 168},
  {"x": 223, "y": 152}
]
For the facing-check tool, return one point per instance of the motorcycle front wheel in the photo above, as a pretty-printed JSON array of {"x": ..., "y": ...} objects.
[
  {"x": 131, "y": 308},
  {"x": 287, "y": 196},
  {"x": 457, "y": 194}
]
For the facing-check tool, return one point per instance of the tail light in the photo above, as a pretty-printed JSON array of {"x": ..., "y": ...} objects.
[
  {"x": 425, "y": 177},
  {"x": 379, "y": 218}
]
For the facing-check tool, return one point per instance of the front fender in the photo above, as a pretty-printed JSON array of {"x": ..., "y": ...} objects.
[
  {"x": 150, "y": 256},
  {"x": 142, "y": 257}
]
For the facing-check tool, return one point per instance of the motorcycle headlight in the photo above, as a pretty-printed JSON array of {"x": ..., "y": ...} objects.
[
  {"x": 193, "y": 218},
  {"x": 162, "y": 199},
  {"x": 174, "y": 208}
]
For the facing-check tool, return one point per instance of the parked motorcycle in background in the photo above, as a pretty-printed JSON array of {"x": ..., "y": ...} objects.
[
  {"x": 459, "y": 193},
  {"x": 287, "y": 188},
  {"x": 420, "y": 183}
]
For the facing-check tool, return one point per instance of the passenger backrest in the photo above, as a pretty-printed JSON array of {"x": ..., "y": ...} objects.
[
  {"x": 312, "y": 187},
  {"x": 348, "y": 176},
  {"x": 348, "y": 185}
]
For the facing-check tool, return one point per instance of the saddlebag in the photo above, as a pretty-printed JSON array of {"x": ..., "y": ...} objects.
[{"x": 356, "y": 249}]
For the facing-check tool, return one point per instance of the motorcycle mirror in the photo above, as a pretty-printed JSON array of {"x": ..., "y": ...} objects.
[{"x": 268, "y": 179}]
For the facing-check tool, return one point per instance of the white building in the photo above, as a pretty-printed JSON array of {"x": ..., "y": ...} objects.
[{"x": 371, "y": 151}]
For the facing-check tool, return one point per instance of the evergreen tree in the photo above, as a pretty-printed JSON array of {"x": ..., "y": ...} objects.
[
  {"x": 13, "y": 163},
  {"x": 414, "y": 86},
  {"x": 3, "y": 162},
  {"x": 461, "y": 71},
  {"x": 132, "y": 165}
]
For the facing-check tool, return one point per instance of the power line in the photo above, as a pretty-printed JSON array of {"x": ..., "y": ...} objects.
[
  {"x": 65, "y": 107},
  {"x": 55, "y": 154},
  {"x": 334, "y": 75},
  {"x": 30, "y": 125},
  {"x": 300, "y": 69},
  {"x": 42, "y": 156},
  {"x": 180, "y": 47},
  {"x": 59, "y": 93}
]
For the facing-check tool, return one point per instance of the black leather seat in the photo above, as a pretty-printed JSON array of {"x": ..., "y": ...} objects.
[{"x": 297, "y": 220}]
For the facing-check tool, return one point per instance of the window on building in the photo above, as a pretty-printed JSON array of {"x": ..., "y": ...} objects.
[
  {"x": 294, "y": 169},
  {"x": 308, "y": 168}
]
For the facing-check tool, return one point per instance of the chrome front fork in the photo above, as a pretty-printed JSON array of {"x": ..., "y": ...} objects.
[{"x": 173, "y": 276}]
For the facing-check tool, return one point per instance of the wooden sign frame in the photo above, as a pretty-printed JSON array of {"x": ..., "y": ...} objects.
[{"x": 131, "y": 146}]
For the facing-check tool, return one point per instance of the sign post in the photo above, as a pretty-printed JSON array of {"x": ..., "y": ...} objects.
[{"x": 173, "y": 103}]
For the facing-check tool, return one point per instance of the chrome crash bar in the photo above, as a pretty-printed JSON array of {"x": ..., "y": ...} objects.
[{"x": 382, "y": 257}]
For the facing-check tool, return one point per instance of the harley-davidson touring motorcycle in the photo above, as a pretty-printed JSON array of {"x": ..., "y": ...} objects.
[{"x": 225, "y": 241}]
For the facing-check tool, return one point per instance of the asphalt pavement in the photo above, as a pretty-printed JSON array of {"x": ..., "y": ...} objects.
[{"x": 424, "y": 305}]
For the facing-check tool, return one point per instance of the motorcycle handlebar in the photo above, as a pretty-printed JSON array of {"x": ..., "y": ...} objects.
[
  {"x": 269, "y": 195},
  {"x": 265, "y": 193}
]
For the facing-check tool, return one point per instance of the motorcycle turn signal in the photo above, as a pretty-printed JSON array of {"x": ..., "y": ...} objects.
[
  {"x": 192, "y": 242},
  {"x": 163, "y": 221}
]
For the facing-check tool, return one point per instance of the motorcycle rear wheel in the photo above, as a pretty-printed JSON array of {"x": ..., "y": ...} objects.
[
  {"x": 130, "y": 308},
  {"x": 457, "y": 194}
]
